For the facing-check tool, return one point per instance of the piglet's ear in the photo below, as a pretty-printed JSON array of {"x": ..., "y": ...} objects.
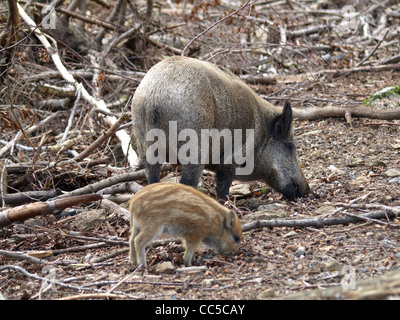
[
  {"x": 230, "y": 220},
  {"x": 283, "y": 124}
]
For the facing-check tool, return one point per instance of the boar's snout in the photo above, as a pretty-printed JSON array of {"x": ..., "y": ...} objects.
[{"x": 296, "y": 189}]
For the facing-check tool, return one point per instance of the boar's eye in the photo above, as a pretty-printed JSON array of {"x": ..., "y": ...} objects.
[
  {"x": 236, "y": 239},
  {"x": 290, "y": 146}
]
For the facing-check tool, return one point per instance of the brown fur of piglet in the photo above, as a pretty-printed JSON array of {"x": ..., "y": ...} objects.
[{"x": 182, "y": 211}]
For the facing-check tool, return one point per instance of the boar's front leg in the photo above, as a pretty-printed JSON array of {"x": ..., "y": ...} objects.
[{"x": 225, "y": 175}]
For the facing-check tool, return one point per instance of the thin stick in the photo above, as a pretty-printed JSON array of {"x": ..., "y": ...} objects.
[
  {"x": 373, "y": 51},
  {"x": 106, "y": 295},
  {"x": 370, "y": 219},
  {"x": 119, "y": 283},
  {"x": 71, "y": 117},
  {"x": 62, "y": 284},
  {"x": 101, "y": 139},
  {"x": 33, "y": 128},
  {"x": 216, "y": 23},
  {"x": 394, "y": 210}
]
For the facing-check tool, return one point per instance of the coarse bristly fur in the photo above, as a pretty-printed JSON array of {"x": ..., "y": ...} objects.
[
  {"x": 200, "y": 95},
  {"x": 179, "y": 210}
]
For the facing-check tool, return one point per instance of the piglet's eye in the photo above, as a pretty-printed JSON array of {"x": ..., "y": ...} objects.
[{"x": 236, "y": 239}]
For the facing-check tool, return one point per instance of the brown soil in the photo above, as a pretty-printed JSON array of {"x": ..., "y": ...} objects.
[
  {"x": 267, "y": 258},
  {"x": 342, "y": 162}
]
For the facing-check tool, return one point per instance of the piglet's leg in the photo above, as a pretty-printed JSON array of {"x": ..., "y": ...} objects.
[
  {"x": 191, "y": 243},
  {"x": 141, "y": 241},
  {"x": 132, "y": 249}
]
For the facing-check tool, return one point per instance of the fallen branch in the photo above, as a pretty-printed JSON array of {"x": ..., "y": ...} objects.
[
  {"x": 383, "y": 287},
  {"x": 131, "y": 187},
  {"x": 95, "y": 187},
  {"x": 91, "y": 20},
  {"x": 393, "y": 210},
  {"x": 22, "y": 256},
  {"x": 346, "y": 71},
  {"x": 81, "y": 248},
  {"x": 317, "y": 223},
  {"x": 127, "y": 177},
  {"x": 371, "y": 220},
  {"x": 191, "y": 269},
  {"x": 31, "y": 210},
  {"x": 112, "y": 206},
  {"x": 313, "y": 75},
  {"x": 305, "y": 32},
  {"x": 15, "y": 199},
  {"x": 111, "y": 240},
  {"x": 348, "y": 112},
  {"x": 391, "y": 60}
]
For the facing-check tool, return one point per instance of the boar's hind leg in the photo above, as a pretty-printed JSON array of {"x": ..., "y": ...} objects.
[
  {"x": 191, "y": 174},
  {"x": 225, "y": 175}
]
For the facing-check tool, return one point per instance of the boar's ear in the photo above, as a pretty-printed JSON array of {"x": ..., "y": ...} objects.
[
  {"x": 230, "y": 220},
  {"x": 283, "y": 123}
]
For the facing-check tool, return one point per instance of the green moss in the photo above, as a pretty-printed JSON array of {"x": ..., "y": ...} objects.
[{"x": 388, "y": 92}]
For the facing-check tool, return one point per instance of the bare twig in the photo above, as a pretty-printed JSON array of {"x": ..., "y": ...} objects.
[
  {"x": 101, "y": 139},
  {"x": 71, "y": 117},
  {"x": 105, "y": 295},
  {"x": 11, "y": 37},
  {"x": 373, "y": 51},
  {"x": 216, "y": 23},
  {"x": 32, "y": 129},
  {"x": 62, "y": 284}
]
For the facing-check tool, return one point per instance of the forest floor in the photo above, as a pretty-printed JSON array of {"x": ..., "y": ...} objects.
[
  {"x": 341, "y": 163},
  {"x": 344, "y": 163}
]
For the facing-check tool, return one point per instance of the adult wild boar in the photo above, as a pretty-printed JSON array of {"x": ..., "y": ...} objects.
[{"x": 181, "y": 98}]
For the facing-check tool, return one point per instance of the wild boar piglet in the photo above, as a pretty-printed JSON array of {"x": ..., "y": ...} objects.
[{"x": 178, "y": 210}]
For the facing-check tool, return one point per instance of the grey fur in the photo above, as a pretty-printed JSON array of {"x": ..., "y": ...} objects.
[{"x": 200, "y": 95}]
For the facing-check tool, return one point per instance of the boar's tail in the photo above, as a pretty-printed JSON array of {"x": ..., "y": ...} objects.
[
  {"x": 154, "y": 118},
  {"x": 141, "y": 166},
  {"x": 150, "y": 119}
]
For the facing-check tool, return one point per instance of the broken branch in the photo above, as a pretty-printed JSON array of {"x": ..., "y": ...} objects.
[
  {"x": 31, "y": 210},
  {"x": 340, "y": 112},
  {"x": 317, "y": 223}
]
